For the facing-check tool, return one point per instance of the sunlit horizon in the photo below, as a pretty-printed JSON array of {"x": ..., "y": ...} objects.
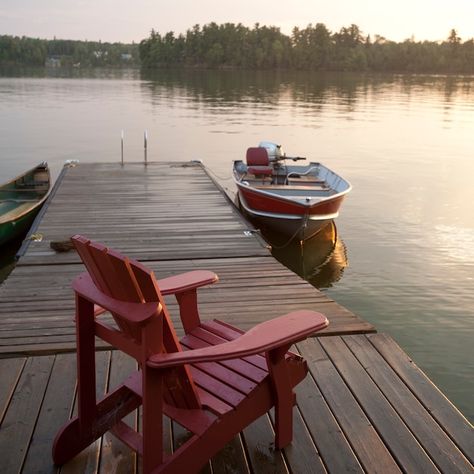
[{"x": 127, "y": 22}]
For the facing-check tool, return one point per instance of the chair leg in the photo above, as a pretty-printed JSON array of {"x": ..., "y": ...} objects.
[
  {"x": 79, "y": 433},
  {"x": 86, "y": 383},
  {"x": 284, "y": 397},
  {"x": 93, "y": 419},
  {"x": 74, "y": 436},
  {"x": 152, "y": 419}
]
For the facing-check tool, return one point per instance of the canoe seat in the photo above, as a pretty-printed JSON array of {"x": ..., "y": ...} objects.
[{"x": 258, "y": 162}]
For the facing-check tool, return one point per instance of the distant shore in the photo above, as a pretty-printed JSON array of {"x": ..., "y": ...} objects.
[{"x": 236, "y": 47}]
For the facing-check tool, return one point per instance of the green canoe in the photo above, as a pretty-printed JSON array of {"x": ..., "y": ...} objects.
[{"x": 20, "y": 201}]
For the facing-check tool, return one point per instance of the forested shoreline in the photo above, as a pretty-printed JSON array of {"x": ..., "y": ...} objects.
[
  {"x": 24, "y": 51},
  {"x": 235, "y": 46},
  {"x": 314, "y": 48}
]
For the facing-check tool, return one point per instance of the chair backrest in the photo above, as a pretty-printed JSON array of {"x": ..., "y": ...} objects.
[
  {"x": 127, "y": 280},
  {"x": 257, "y": 156}
]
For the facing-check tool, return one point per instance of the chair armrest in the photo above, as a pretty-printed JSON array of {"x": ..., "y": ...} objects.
[
  {"x": 264, "y": 337},
  {"x": 137, "y": 313},
  {"x": 186, "y": 281},
  {"x": 178, "y": 284}
]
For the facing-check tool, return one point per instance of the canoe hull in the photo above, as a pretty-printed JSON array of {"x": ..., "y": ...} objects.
[
  {"x": 13, "y": 229},
  {"x": 20, "y": 201}
]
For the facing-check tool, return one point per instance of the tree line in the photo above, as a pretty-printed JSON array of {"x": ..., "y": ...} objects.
[
  {"x": 315, "y": 47},
  {"x": 24, "y": 51},
  {"x": 229, "y": 45}
]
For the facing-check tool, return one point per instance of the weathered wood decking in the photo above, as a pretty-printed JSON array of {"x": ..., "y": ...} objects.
[
  {"x": 365, "y": 407},
  {"x": 170, "y": 216}
]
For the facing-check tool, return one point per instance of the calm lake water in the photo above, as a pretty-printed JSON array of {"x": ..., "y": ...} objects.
[{"x": 404, "y": 258}]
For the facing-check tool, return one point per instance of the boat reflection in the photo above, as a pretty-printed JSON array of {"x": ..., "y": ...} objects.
[
  {"x": 7, "y": 256},
  {"x": 320, "y": 260}
]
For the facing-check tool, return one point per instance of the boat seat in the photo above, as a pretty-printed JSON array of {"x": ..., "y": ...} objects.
[{"x": 258, "y": 162}]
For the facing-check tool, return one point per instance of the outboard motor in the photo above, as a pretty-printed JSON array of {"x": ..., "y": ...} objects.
[
  {"x": 276, "y": 156},
  {"x": 274, "y": 151}
]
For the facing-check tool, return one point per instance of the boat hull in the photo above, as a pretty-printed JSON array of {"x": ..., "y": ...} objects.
[
  {"x": 13, "y": 229},
  {"x": 20, "y": 201},
  {"x": 298, "y": 226},
  {"x": 270, "y": 204},
  {"x": 294, "y": 200}
]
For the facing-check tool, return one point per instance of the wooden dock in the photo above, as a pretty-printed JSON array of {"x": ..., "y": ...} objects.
[
  {"x": 365, "y": 407},
  {"x": 173, "y": 218}
]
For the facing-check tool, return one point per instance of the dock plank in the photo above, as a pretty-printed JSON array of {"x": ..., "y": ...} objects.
[
  {"x": 55, "y": 412},
  {"x": 429, "y": 434},
  {"x": 440, "y": 408},
  {"x": 19, "y": 421},
  {"x": 335, "y": 427},
  {"x": 328, "y": 436},
  {"x": 361, "y": 434},
  {"x": 10, "y": 371},
  {"x": 87, "y": 461},
  {"x": 259, "y": 442},
  {"x": 364, "y": 407},
  {"x": 301, "y": 455},
  {"x": 115, "y": 456},
  {"x": 37, "y": 302},
  {"x": 159, "y": 212},
  {"x": 403, "y": 445},
  {"x": 170, "y": 216},
  {"x": 231, "y": 459}
]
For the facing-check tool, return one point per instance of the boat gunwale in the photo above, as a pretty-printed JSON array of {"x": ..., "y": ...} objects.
[
  {"x": 310, "y": 205},
  {"x": 35, "y": 204}
]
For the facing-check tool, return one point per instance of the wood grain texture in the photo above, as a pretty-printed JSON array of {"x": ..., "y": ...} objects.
[
  {"x": 428, "y": 433},
  {"x": 159, "y": 212},
  {"x": 339, "y": 426},
  {"x": 173, "y": 218},
  {"x": 10, "y": 371},
  {"x": 391, "y": 428},
  {"x": 434, "y": 402},
  {"x": 369, "y": 448},
  {"x": 364, "y": 407},
  {"x": 19, "y": 421},
  {"x": 55, "y": 411}
]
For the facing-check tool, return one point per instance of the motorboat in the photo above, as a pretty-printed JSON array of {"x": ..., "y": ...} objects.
[{"x": 295, "y": 199}]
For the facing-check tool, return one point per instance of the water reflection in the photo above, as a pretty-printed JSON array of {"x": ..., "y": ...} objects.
[
  {"x": 302, "y": 89},
  {"x": 239, "y": 87},
  {"x": 7, "y": 256},
  {"x": 68, "y": 73},
  {"x": 320, "y": 260},
  {"x": 404, "y": 142}
]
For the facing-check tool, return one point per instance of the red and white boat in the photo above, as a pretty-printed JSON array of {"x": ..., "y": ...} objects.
[{"x": 297, "y": 200}]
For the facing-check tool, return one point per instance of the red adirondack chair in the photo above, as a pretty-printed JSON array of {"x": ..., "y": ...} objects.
[{"x": 214, "y": 382}]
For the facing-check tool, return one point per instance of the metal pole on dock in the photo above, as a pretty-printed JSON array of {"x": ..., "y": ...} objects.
[
  {"x": 145, "y": 146},
  {"x": 121, "y": 147}
]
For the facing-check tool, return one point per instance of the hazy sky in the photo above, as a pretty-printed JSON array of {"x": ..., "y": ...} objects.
[{"x": 132, "y": 20}]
